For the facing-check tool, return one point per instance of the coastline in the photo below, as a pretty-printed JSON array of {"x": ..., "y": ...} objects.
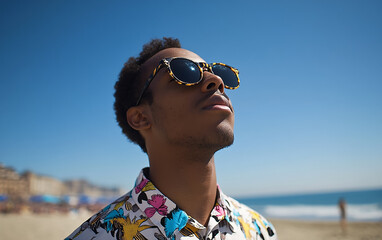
[{"x": 59, "y": 226}]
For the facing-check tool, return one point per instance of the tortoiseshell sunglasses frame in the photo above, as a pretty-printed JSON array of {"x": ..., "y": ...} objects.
[{"x": 201, "y": 65}]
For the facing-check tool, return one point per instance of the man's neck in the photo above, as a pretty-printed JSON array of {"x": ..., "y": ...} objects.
[{"x": 189, "y": 180}]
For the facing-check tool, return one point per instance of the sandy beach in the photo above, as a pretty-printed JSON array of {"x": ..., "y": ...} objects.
[
  {"x": 311, "y": 230},
  {"x": 58, "y": 226}
]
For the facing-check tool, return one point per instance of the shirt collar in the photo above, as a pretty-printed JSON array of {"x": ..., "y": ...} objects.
[
  {"x": 165, "y": 214},
  {"x": 229, "y": 210}
]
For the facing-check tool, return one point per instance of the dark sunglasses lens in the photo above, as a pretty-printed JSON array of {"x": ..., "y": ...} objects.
[
  {"x": 227, "y": 75},
  {"x": 185, "y": 70}
]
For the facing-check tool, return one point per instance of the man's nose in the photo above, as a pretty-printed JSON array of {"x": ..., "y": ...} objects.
[{"x": 212, "y": 82}]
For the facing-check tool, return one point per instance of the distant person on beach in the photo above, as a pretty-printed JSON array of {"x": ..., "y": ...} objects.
[
  {"x": 342, "y": 207},
  {"x": 174, "y": 105}
]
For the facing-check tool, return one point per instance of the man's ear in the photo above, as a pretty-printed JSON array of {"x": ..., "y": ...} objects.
[{"x": 137, "y": 118}]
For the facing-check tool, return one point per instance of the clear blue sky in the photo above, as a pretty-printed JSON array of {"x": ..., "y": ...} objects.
[{"x": 308, "y": 112}]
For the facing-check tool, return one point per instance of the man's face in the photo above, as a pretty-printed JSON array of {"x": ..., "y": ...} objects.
[{"x": 189, "y": 116}]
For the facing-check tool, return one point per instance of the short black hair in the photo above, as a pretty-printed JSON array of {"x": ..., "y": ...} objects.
[{"x": 128, "y": 87}]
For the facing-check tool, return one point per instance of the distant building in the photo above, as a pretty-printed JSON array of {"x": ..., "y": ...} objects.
[
  {"x": 43, "y": 185},
  {"x": 30, "y": 184},
  {"x": 82, "y": 187},
  {"x": 12, "y": 184}
]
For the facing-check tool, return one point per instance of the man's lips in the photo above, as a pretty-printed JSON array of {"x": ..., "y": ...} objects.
[{"x": 217, "y": 102}]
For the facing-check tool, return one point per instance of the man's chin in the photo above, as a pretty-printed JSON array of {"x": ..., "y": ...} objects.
[
  {"x": 226, "y": 140},
  {"x": 225, "y": 134},
  {"x": 223, "y": 139}
]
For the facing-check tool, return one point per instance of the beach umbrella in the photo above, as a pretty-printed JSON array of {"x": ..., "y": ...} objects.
[
  {"x": 45, "y": 199},
  {"x": 3, "y": 198}
]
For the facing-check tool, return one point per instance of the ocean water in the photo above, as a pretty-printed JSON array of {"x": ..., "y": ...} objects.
[{"x": 364, "y": 205}]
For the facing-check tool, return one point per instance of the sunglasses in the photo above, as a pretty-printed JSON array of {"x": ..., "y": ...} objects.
[{"x": 187, "y": 72}]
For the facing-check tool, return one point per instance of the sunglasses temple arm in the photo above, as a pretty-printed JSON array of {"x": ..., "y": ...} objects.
[{"x": 147, "y": 84}]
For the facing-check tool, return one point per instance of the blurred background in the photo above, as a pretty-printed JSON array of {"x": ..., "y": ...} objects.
[{"x": 308, "y": 112}]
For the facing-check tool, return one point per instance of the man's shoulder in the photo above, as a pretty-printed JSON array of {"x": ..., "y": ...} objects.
[
  {"x": 249, "y": 218},
  {"x": 99, "y": 226}
]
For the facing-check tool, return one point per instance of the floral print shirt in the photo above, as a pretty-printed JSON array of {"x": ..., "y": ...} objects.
[{"x": 145, "y": 213}]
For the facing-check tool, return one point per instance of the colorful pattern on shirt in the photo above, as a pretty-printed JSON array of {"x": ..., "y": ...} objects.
[{"x": 145, "y": 213}]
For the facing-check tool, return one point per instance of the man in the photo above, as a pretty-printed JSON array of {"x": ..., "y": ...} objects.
[
  {"x": 173, "y": 105},
  {"x": 342, "y": 207}
]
